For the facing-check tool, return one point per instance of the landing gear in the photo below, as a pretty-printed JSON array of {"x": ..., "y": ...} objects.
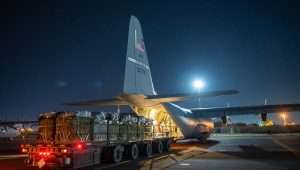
[
  {"x": 224, "y": 120},
  {"x": 264, "y": 116},
  {"x": 202, "y": 140}
]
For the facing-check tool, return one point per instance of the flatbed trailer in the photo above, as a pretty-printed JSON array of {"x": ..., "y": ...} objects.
[{"x": 71, "y": 140}]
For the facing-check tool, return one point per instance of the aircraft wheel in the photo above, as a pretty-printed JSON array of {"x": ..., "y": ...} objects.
[
  {"x": 202, "y": 140},
  {"x": 118, "y": 153},
  {"x": 134, "y": 151}
]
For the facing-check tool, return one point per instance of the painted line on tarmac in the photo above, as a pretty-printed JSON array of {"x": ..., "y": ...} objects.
[
  {"x": 3, "y": 157},
  {"x": 177, "y": 161},
  {"x": 187, "y": 154},
  {"x": 237, "y": 134},
  {"x": 253, "y": 134},
  {"x": 290, "y": 149}
]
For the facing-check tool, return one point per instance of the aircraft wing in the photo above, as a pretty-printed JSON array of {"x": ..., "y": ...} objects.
[
  {"x": 11, "y": 123},
  {"x": 101, "y": 102},
  {"x": 244, "y": 110},
  {"x": 150, "y": 100},
  {"x": 185, "y": 96}
]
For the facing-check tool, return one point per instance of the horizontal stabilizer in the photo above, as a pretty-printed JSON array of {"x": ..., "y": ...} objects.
[{"x": 11, "y": 123}]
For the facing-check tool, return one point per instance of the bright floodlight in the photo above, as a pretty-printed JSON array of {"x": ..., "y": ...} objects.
[
  {"x": 283, "y": 116},
  {"x": 198, "y": 84}
]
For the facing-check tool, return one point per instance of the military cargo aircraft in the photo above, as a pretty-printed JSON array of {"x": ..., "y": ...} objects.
[{"x": 139, "y": 94}]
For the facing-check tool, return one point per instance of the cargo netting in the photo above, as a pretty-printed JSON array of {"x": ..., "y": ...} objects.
[
  {"x": 46, "y": 128},
  {"x": 72, "y": 127}
]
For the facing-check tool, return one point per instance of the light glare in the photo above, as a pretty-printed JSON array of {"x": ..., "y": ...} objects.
[{"x": 198, "y": 84}]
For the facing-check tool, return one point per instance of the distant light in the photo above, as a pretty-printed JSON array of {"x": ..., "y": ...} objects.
[
  {"x": 198, "y": 84},
  {"x": 184, "y": 164},
  {"x": 283, "y": 115}
]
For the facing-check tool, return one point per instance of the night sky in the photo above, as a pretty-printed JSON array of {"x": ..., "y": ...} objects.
[{"x": 54, "y": 52}]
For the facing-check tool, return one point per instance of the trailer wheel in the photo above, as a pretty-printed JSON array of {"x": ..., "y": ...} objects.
[
  {"x": 168, "y": 145},
  {"x": 160, "y": 147},
  {"x": 118, "y": 153},
  {"x": 134, "y": 151},
  {"x": 148, "y": 149}
]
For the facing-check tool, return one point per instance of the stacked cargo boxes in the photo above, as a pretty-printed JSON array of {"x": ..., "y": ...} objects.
[
  {"x": 46, "y": 128},
  {"x": 69, "y": 127},
  {"x": 130, "y": 128},
  {"x": 148, "y": 129},
  {"x": 113, "y": 128},
  {"x": 73, "y": 126},
  {"x": 106, "y": 127}
]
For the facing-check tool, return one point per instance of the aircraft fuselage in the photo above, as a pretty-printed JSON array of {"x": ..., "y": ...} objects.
[{"x": 190, "y": 127}]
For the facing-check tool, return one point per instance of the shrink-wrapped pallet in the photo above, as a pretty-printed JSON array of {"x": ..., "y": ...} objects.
[
  {"x": 46, "y": 127},
  {"x": 106, "y": 127},
  {"x": 73, "y": 126}
]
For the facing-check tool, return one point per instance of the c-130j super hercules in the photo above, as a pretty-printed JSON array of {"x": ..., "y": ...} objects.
[{"x": 139, "y": 94}]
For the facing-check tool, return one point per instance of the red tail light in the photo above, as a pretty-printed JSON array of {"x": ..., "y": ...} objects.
[
  {"x": 24, "y": 150},
  {"x": 79, "y": 146},
  {"x": 44, "y": 153}
]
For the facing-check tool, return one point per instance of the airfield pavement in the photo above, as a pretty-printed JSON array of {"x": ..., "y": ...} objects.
[{"x": 221, "y": 152}]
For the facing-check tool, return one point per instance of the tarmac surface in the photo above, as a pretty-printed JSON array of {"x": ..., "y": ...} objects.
[{"x": 243, "y": 151}]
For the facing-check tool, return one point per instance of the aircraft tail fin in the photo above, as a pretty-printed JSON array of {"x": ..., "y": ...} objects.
[{"x": 138, "y": 78}]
